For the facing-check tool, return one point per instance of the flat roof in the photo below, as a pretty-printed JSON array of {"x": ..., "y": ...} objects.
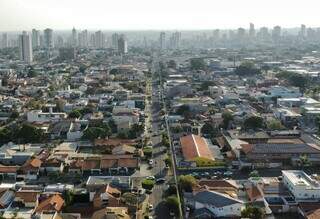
[{"x": 300, "y": 178}]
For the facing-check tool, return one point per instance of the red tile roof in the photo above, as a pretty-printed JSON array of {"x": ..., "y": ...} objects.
[
  {"x": 195, "y": 146},
  {"x": 52, "y": 203}
]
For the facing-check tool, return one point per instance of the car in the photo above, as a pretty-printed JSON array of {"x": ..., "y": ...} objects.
[
  {"x": 149, "y": 191},
  {"x": 141, "y": 191},
  {"x": 227, "y": 173},
  {"x": 150, "y": 162},
  {"x": 150, "y": 207},
  {"x": 160, "y": 180},
  {"x": 151, "y": 177}
]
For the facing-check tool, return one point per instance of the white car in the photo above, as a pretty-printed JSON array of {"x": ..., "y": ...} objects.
[
  {"x": 150, "y": 207},
  {"x": 150, "y": 162},
  {"x": 151, "y": 177}
]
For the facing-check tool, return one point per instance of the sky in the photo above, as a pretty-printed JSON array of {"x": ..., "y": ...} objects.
[{"x": 17, "y": 15}]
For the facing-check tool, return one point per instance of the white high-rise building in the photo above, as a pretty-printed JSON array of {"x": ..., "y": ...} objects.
[
  {"x": 48, "y": 38},
  {"x": 122, "y": 45},
  {"x": 114, "y": 40},
  {"x": 252, "y": 31},
  {"x": 83, "y": 39},
  {"x": 35, "y": 38},
  {"x": 162, "y": 40},
  {"x": 25, "y": 47},
  {"x": 74, "y": 38},
  {"x": 99, "y": 39},
  {"x": 4, "y": 40}
]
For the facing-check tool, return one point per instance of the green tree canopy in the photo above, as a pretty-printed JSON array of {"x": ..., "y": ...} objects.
[
  {"x": 173, "y": 204},
  {"x": 247, "y": 69},
  {"x": 92, "y": 133},
  {"x": 227, "y": 118},
  {"x": 274, "y": 124},
  {"x": 197, "y": 64},
  {"x": 253, "y": 122},
  {"x": 187, "y": 182},
  {"x": 252, "y": 212},
  {"x": 28, "y": 133},
  {"x": 75, "y": 114}
]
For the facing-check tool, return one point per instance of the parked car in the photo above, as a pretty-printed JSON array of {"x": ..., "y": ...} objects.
[{"x": 160, "y": 180}]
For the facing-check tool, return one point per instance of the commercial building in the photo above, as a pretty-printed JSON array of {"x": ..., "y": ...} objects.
[{"x": 302, "y": 186}]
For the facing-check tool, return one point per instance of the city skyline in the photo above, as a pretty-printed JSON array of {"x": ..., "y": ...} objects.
[{"x": 144, "y": 15}]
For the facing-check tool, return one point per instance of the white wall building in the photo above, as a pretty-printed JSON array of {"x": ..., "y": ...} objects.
[
  {"x": 25, "y": 47},
  {"x": 302, "y": 186}
]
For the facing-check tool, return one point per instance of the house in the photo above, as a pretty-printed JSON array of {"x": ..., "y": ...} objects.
[
  {"x": 51, "y": 203},
  {"x": 26, "y": 198},
  {"x": 52, "y": 165},
  {"x": 218, "y": 204},
  {"x": 112, "y": 212},
  {"x": 30, "y": 170},
  {"x": 194, "y": 146},
  {"x": 6, "y": 197},
  {"x": 42, "y": 117},
  {"x": 107, "y": 196},
  {"x": 8, "y": 172},
  {"x": 302, "y": 186}
]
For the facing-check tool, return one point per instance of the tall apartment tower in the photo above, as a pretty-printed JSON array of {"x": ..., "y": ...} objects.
[
  {"x": 83, "y": 39},
  {"x": 74, "y": 38},
  {"x": 35, "y": 38},
  {"x": 252, "y": 31},
  {"x": 162, "y": 40},
  {"x": 25, "y": 47},
  {"x": 48, "y": 38},
  {"x": 122, "y": 45},
  {"x": 114, "y": 41},
  {"x": 4, "y": 40},
  {"x": 99, "y": 39}
]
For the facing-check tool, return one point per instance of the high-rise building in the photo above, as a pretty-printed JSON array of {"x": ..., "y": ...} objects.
[
  {"x": 241, "y": 33},
  {"x": 122, "y": 45},
  {"x": 83, "y": 39},
  {"x": 252, "y": 31},
  {"x": 74, "y": 38},
  {"x": 216, "y": 35},
  {"x": 48, "y": 38},
  {"x": 276, "y": 33},
  {"x": 302, "y": 32},
  {"x": 99, "y": 39},
  {"x": 25, "y": 47},
  {"x": 114, "y": 41},
  {"x": 162, "y": 41},
  {"x": 4, "y": 40},
  {"x": 35, "y": 38},
  {"x": 174, "y": 40}
]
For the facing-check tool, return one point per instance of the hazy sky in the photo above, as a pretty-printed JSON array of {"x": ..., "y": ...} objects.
[{"x": 155, "y": 14}]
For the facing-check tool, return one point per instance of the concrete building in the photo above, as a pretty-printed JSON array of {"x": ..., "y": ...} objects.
[
  {"x": 302, "y": 186},
  {"x": 25, "y": 47},
  {"x": 35, "y": 38},
  {"x": 122, "y": 45},
  {"x": 48, "y": 38},
  {"x": 162, "y": 41},
  {"x": 4, "y": 40}
]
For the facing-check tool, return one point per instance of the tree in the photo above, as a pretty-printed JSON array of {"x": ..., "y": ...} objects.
[
  {"x": 173, "y": 204},
  {"x": 31, "y": 72},
  {"x": 197, "y": 64},
  {"x": 227, "y": 118},
  {"x": 254, "y": 173},
  {"x": 252, "y": 212},
  {"x": 6, "y": 135},
  {"x": 295, "y": 79},
  {"x": 93, "y": 133},
  {"x": 274, "y": 125},
  {"x": 304, "y": 161},
  {"x": 30, "y": 134},
  {"x": 206, "y": 84},
  {"x": 14, "y": 115},
  {"x": 253, "y": 122},
  {"x": 247, "y": 69},
  {"x": 147, "y": 184},
  {"x": 183, "y": 110},
  {"x": 187, "y": 182},
  {"x": 209, "y": 129},
  {"x": 74, "y": 114}
]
